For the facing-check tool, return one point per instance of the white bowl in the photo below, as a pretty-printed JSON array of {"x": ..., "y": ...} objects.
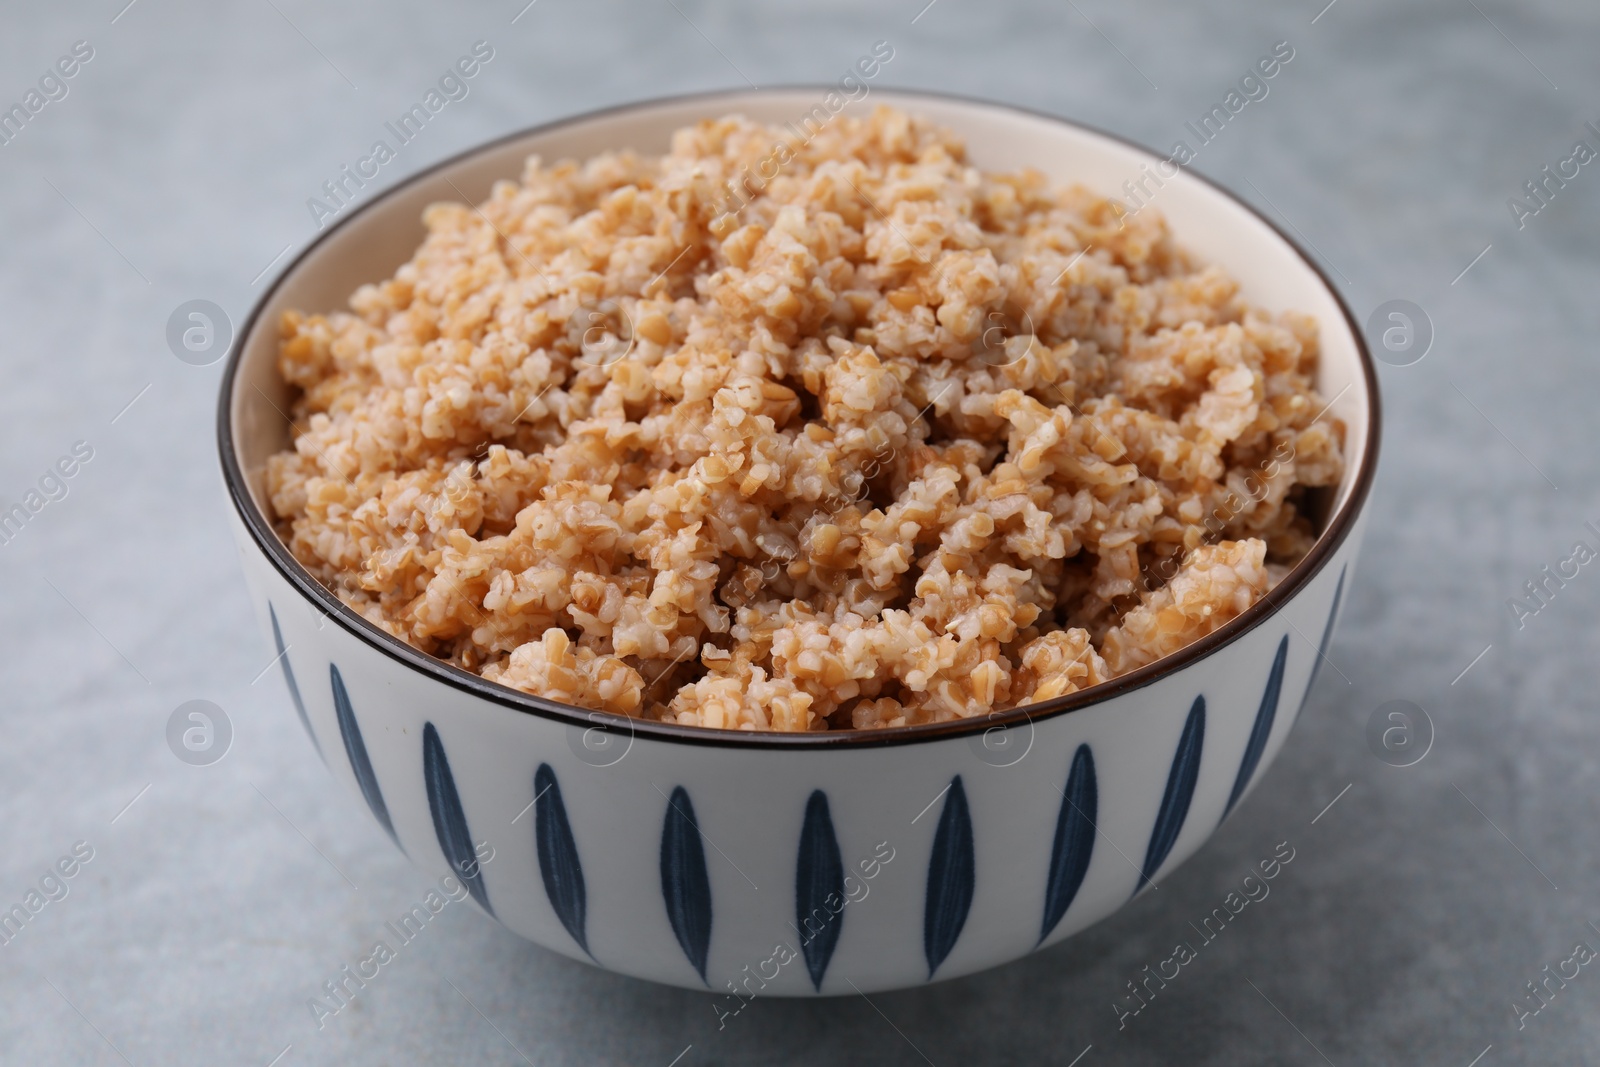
[{"x": 797, "y": 865}]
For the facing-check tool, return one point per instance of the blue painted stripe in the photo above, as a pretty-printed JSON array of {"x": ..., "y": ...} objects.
[
  {"x": 559, "y": 866},
  {"x": 1262, "y": 730},
  {"x": 818, "y": 888},
  {"x": 1073, "y": 846},
  {"x": 1327, "y": 630},
  {"x": 952, "y": 878},
  {"x": 1181, "y": 780},
  {"x": 356, "y": 749},
  {"x": 294, "y": 687},
  {"x": 685, "y": 884},
  {"x": 449, "y": 819}
]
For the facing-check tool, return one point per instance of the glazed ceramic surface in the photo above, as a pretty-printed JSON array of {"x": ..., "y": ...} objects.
[{"x": 813, "y": 864}]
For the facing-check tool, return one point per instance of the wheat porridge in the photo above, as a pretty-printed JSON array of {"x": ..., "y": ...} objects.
[{"x": 881, "y": 439}]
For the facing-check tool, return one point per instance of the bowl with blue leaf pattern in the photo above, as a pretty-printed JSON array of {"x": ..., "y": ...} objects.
[{"x": 812, "y": 864}]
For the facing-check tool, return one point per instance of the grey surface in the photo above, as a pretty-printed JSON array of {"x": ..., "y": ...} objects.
[{"x": 214, "y": 906}]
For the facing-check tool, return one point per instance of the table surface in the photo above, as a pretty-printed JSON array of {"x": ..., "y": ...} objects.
[{"x": 1418, "y": 905}]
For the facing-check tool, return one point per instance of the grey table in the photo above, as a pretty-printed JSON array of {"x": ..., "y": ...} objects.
[{"x": 217, "y": 899}]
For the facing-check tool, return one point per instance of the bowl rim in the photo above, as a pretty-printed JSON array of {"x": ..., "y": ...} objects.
[{"x": 1338, "y": 529}]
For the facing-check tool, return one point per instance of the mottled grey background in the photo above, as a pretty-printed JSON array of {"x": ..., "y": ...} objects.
[{"x": 1408, "y": 921}]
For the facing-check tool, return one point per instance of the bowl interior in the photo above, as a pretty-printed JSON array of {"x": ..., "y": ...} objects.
[{"x": 369, "y": 243}]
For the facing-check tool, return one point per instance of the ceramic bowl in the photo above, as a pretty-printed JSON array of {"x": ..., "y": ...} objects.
[{"x": 796, "y": 865}]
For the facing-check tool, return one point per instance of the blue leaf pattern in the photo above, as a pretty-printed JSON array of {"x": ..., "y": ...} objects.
[
  {"x": 1263, "y": 727},
  {"x": 558, "y": 856},
  {"x": 449, "y": 820},
  {"x": 1327, "y": 630},
  {"x": 288, "y": 677},
  {"x": 356, "y": 749},
  {"x": 952, "y": 876},
  {"x": 1074, "y": 840},
  {"x": 1181, "y": 781},
  {"x": 818, "y": 877},
  {"x": 685, "y": 885}
]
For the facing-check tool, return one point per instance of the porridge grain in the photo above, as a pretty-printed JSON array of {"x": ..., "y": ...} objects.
[{"x": 900, "y": 441}]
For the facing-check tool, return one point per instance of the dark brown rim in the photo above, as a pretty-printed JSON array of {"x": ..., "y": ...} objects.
[{"x": 1327, "y": 545}]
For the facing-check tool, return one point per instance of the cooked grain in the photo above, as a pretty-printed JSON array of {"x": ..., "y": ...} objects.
[{"x": 897, "y": 441}]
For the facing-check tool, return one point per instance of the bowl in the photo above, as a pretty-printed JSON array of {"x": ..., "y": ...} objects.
[{"x": 785, "y": 864}]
